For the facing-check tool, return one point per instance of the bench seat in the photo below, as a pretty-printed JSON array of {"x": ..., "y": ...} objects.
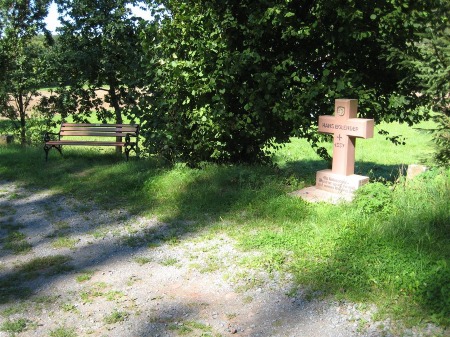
[{"x": 113, "y": 134}]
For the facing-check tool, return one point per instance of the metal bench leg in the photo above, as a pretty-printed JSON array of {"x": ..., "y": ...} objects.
[
  {"x": 59, "y": 148},
  {"x": 48, "y": 148}
]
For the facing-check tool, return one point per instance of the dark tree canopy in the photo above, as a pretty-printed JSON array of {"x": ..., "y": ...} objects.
[{"x": 231, "y": 79}]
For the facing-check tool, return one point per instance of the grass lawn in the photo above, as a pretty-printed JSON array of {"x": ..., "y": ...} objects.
[{"x": 391, "y": 246}]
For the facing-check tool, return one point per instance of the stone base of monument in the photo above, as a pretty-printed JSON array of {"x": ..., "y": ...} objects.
[
  {"x": 332, "y": 187},
  {"x": 336, "y": 183},
  {"x": 313, "y": 194}
]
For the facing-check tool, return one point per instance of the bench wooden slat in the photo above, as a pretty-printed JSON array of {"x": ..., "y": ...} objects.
[
  {"x": 113, "y": 129},
  {"x": 99, "y": 125},
  {"x": 96, "y": 134},
  {"x": 88, "y": 142}
]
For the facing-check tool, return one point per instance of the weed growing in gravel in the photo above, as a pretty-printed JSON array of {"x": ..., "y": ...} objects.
[
  {"x": 16, "y": 243},
  {"x": 18, "y": 308},
  {"x": 210, "y": 264},
  {"x": 12, "y": 289},
  {"x": 63, "y": 332},
  {"x": 64, "y": 242},
  {"x": 14, "y": 196},
  {"x": 113, "y": 295},
  {"x": 180, "y": 328},
  {"x": 48, "y": 265},
  {"x": 42, "y": 303},
  {"x": 15, "y": 326},
  {"x": 141, "y": 260},
  {"x": 153, "y": 245},
  {"x": 97, "y": 290},
  {"x": 85, "y": 276},
  {"x": 247, "y": 299},
  {"x": 170, "y": 261},
  {"x": 69, "y": 307},
  {"x": 61, "y": 225},
  {"x": 116, "y": 316},
  {"x": 192, "y": 328},
  {"x": 99, "y": 233}
]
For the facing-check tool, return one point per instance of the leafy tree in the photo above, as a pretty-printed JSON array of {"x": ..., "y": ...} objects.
[
  {"x": 20, "y": 57},
  {"x": 231, "y": 80},
  {"x": 433, "y": 69},
  {"x": 97, "y": 49}
]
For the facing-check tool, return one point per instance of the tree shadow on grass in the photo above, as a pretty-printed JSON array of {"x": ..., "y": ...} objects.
[
  {"x": 189, "y": 201},
  {"x": 373, "y": 170}
]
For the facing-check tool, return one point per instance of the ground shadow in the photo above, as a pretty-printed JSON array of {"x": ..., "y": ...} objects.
[
  {"x": 196, "y": 203},
  {"x": 375, "y": 171}
]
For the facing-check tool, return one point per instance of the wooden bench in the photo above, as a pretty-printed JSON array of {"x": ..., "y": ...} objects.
[{"x": 114, "y": 132}]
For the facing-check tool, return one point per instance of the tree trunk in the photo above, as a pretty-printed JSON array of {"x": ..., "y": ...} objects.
[
  {"x": 22, "y": 115},
  {"x": 118, "y": 113}
]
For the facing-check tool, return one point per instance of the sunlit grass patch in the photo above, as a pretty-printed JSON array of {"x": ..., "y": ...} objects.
[
  {"x": 116, "y": 317},
  {"x": 170, "y": 261},
  {"x": 85, "y": 276},
  {"x": 63, "y": 331},
  {"x": 141, "y": 260},
  {"x": 192, "y": 328},
  {"x": 15, "y": 326},
  {"x": 64, "y": 242}
]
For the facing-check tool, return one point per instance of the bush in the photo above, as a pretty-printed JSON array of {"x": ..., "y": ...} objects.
[
  {"x": 373, "y": 198},
  {"x": 441, "y": 137}
]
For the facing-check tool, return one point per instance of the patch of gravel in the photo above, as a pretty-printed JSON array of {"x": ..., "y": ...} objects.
[{"x": 125, "y": 275}]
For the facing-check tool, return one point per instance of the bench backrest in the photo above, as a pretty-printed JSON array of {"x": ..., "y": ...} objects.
[{"x": 99, "y": 130}]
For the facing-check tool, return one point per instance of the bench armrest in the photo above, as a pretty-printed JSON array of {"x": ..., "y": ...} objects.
[
  {"x": 128, "y": 138},
  {"x": 48, "y": 134}
]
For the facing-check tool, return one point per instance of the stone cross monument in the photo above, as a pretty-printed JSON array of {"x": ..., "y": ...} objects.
[{"x": 345, "y": 128}]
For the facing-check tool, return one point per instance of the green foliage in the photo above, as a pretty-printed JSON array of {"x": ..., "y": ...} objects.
[
  {"x": 373, "y": 198},
  {"x": 21, "y": 55},
  {"x": 441, "y": 137},
  {"x": 97, "y": 50},
  {"x": 49, "y": 265},
  {"x": 16, "y": 326},
  {"x": 16, "y": 242},
  {"x": 432, "y": 64},
  {"x": 230, "y": 81},
  {"x": 85, "y": 276},
  {"x": 63, "y": 332},
  {"x": 116, "y": 316}
]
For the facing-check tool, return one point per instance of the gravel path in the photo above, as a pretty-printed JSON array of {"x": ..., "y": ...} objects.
[{"x": 68, "y": 267}]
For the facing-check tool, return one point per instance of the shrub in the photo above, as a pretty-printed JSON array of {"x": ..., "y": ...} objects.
[
  {"x": 374, "y": 197},
  {"x": 441, "y": 138}
]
